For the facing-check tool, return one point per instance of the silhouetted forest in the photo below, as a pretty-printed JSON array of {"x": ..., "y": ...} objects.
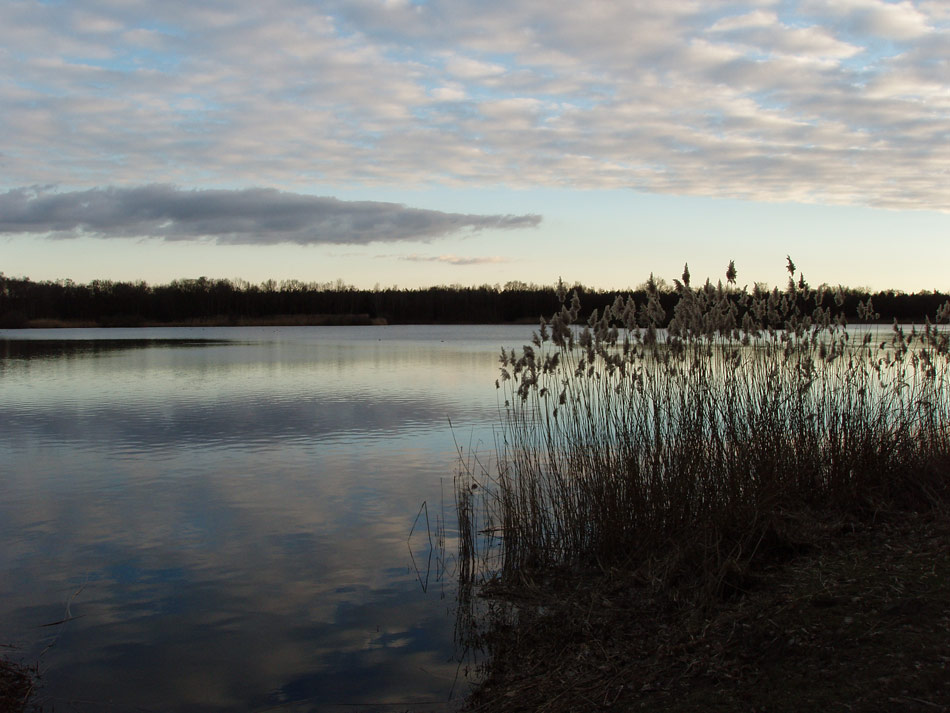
[{"x": 24, "y": 303}]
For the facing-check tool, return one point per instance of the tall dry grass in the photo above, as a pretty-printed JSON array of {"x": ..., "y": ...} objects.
[{"x": 683, "y": 451}]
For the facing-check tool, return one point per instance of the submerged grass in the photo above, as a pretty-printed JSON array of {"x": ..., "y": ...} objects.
[
  {"x": 16, "y": 686},
  {"x": 686, "y": 460}
]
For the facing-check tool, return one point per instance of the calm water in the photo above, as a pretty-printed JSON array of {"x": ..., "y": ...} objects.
[{"x": 222, "y": 514}]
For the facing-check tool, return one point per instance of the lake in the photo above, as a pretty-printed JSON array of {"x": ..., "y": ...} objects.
[{"x": 222, "y": 516}]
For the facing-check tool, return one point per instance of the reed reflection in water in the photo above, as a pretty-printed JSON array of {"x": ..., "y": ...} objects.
[{"x": 232, "y": 507}]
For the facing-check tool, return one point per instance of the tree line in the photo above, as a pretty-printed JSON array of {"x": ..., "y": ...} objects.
[{"x": 25, "y": 303}]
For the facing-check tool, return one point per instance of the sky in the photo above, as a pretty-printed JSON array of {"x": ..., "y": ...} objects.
[{"x": 414, "y": 143}]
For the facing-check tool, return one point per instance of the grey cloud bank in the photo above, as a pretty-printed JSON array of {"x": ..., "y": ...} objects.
[{"x": 254, "y": 216}]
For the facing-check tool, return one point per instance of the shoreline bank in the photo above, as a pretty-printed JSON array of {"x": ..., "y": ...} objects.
[{"x": 858, "y": 619}]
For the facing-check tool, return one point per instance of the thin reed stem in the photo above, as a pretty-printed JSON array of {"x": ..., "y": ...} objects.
[{"x": 623, "y": 441}]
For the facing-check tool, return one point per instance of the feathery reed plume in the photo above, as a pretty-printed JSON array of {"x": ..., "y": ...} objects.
[{"x": 677, "y": 450}]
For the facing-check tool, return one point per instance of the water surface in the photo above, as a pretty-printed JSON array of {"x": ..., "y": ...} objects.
[{"x": 222, "y": 514}]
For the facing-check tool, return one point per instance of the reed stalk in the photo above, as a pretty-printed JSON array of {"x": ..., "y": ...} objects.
[{"x": 676, "y": 451}]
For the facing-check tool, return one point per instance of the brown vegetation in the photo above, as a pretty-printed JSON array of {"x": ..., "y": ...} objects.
[
  {"x": 16, "y": 686},
  {"x": 658, "y": 495}
]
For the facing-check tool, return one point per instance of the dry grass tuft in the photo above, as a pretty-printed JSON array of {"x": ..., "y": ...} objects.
[{"x": 16, "y": 686}]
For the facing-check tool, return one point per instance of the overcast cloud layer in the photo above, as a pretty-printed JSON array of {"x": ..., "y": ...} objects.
[
  {"x": 260, "y": 216},
  {"x": 834, "y": 101}
]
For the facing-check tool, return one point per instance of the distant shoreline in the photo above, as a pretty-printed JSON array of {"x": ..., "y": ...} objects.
[
  {"x": 206, "y": 302},
  {"x": 292, "y": 320},
  {"x": 286, "y": 320},
  {"x": 281, "y": 320}
]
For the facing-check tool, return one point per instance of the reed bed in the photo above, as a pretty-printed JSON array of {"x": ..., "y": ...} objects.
[{"x": 686, "y": 446}]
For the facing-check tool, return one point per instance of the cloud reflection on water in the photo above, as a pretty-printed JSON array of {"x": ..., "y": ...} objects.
[{"x": 238, "y": 550}]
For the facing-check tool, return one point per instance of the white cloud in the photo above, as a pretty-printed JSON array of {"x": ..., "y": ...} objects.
[
  {"x": 756, "y": 18},
  {"x": 448, "y": 94},
  {"x": 465, "y": 68},
  {"x": 763, "y": 32},
  {"x": 841, "y": 101},
  {"x": 454, "y": 259},
  {"x": 893, "y": 20},
  {"x": 936, "y": 10}
]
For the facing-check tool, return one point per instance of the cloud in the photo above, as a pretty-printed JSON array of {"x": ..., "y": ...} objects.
[
  {"x": 763, "y": 32},
  {"x": 258, "y": 216},
  {"x": 898, "y": 21},
  {"x": 819, "y": 100},
  {"x": 454, "y": 259}
]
